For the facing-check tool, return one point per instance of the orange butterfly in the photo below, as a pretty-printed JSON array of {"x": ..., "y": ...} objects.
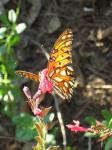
[{"x": 60, "y": 71}]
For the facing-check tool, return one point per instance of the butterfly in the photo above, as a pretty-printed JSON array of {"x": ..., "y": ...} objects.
[{"x": 60, "y": 70}]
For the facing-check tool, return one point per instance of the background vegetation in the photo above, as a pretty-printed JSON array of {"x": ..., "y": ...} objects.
[{"x": 42, "y": 22}]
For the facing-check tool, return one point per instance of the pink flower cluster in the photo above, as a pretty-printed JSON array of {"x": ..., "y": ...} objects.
[
  {"x": 76, "y": 127},
  {"x": 45, "y": 85}
]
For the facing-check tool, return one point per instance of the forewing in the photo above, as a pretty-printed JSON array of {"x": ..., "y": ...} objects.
[
  {"x": 60, "y": 69},
  {"x": 28, "y": 75}
]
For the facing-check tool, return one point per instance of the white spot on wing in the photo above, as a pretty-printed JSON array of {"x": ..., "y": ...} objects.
[
  {"x": 63, "y": 73},
  {"x": 68, "y": 43},
  {"x": 58, "y": 79},
  {"x": 64, "y": 89},
  {"x": 57, "y": 70},
  {"x": 71, "y": 83},
  {"x": 68, "y": 73},
  {"x": 70, "y": 90},
  {"x": 64, "y": 37},
  {"x": 69, "y": 35},
  {"x": 50, "y": 75},
  {"x": 66, "y": 84},
  {"x": 70, "y": 68}
]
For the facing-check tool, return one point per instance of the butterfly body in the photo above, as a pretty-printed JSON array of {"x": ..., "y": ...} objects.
[{"x": 59, "y": 70}]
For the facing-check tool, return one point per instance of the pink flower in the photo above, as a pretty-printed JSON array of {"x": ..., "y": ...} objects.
[
  {"x": 36, "y": 110},
  {"x": 44, "y": 86},
  {"x": 33, "y": 103},
  {"x": 76, "y": 127}
]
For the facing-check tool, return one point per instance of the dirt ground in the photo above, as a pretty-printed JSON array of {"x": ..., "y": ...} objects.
[{"x": 91, "y": 23}]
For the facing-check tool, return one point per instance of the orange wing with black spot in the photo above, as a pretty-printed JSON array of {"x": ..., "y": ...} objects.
[
  {"x": 60, "y": 70},
  {"x": 28, "y": 75}
]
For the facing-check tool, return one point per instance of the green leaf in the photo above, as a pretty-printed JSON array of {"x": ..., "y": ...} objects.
[
  {"x": 3, "y": 90},
  {"x": 50, "y": 139},
  {"x": 17, "y": 94},
  {"x": 3, "y": 68},
  {"x": 108, "y": 144},
  {"x": 110, "y": 124},
  {"x": 12, "y": 16},
  {"x": 10, "y": 67},
  {"x": 88, "y": 134},
  {"x": 14, "y": 40},
  {"x": 55, "y": 148},
  {"x": 25, "y": 134},
  {"x": 2, "y": 49},
  {"x": 4, "y": 20},
  {"x": 9, "y": 109},
  {"x": 107, "y": 115},
  {"x": 49, "y": 117},
  {"x": 25, "y": 129},
  {"x": 68, "y": 148},
  {"x": 24, "y": 120},
  {"x": 90, "y": 120},
  {"x": 20, "y": 28}
]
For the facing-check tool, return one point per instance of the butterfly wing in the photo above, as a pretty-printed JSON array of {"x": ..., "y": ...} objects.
[
  {"x": 28, "y": 75},
  {"x": 60, "y": 71}
]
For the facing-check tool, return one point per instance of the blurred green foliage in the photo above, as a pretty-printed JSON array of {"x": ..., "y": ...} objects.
[
  {"x": 107, "y": 122},
  {"x": 25, "y": 129},
  {"x": 10, "y": 94},
  {"x": 9, "y": 37}
]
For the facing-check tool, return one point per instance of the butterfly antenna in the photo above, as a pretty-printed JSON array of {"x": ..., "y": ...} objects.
[{"x": 45, "y": 52}]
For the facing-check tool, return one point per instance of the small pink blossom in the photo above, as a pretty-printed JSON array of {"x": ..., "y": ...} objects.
[
  {"x": 76, "y": 127},
  {"x": 35, "y": 109},
  {"x": 45, "y": 84},
  {"x": 38, "y": 112},
  {"x": 33, "y": 103}
]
